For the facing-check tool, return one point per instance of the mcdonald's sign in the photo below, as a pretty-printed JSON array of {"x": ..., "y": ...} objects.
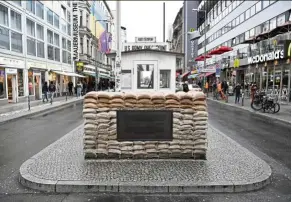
[
  {"x": 287, "y": 49},
  {"x": 236, "y": 63},
  {"x": 192, "y": 29}
]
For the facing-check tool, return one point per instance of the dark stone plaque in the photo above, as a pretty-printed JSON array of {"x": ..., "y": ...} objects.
[{"x": 144, "y": 125}]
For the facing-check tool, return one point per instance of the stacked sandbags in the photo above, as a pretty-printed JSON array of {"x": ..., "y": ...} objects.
[
  {"x": 158, "y": 100},
  {"x": 172, "y": 102},
  {"x": 126, "y": 149},
  {"x": 139, "y": 150},
  {"x": 144, "y": 101},
  {"x": 151, "y": 149},
  {"x": 117, "y": 100},
  {"x": 90, "y": 125},
  {"x": 130, "y": 100}
]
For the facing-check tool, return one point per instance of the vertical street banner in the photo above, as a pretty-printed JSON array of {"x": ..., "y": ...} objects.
[{"x": 75, "y": 26}]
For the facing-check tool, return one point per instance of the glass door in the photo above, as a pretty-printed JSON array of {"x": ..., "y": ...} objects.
[
  {"x": 37, "y": 83},
  {"x": 11, "y": 84}
]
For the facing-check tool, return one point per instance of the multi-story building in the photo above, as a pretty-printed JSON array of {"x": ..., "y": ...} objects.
[
  {"x": 259, "y": 32},
  {"x": 95, "y": 32},
  {"x": 35, "y": 47}
]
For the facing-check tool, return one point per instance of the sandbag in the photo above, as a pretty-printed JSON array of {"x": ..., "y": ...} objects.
[
  {"x": 187, "y": 122},
  {"x": 90, "y": 116},
  {"x": 187, "y": 111},
  {"x": 103, "y": 115},
  {"x": 103, "y": 126},
  {"x": 177, "y": 115},
  {"x": 172, "y": 102},
  {"x": 104, "y": 95},
  {"x": 143, "y": 96},
  {"x": 201, "y": 114},
  {"x": 203, "y": 123},
  {"x": 90, "y": 126},
  {"x": 117, "y": 101},
  {"x": 186, "y": 102},
  {"x": 171, "y": 96},
  {"x": 90, "y": 106},
  {"x": 156, "y": 101},
  {"x": 187, "y": 117},
  {"x": 90, "y": 100},
  {"x": 130, "y": 100},
  {"x": 117, "y": 95},
  {"x": 103, "y": 109},
  {"x": 200, "y": 118},
  {"x": 89, "y": 111},
  {"x": 117, "y": 105},
  {"x": 102, "y": 105},
  {"x": 198, "y": 102}
]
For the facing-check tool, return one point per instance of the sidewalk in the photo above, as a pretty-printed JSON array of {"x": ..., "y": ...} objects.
[
  {"x": 283, "y": 115},
  {"x": 11, "y": 112}
]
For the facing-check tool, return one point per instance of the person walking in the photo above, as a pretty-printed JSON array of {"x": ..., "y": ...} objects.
[
  {"x": 70, "y": 87},
  {"x": 52, "y": 90},
  {"x": 237, "y": 90},
  {"x": 79, "y": 89},
  {"x": 45, "y": 90}
]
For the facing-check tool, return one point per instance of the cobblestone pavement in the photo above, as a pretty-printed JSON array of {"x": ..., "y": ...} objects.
[
  {"x": 4, "y": 117},
  {"x": 228, "y": 164},
  {"x": 284, "y": 113}
]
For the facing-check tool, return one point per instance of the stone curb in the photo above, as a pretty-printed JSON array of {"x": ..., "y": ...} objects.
[
  {"x": 28, "y": 180},
  {"x": 259, "y": 114},
  {"x": 47, "y": 110}
]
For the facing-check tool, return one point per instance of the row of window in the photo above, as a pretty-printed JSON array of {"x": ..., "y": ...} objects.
[{"x": 270, "y": 24}]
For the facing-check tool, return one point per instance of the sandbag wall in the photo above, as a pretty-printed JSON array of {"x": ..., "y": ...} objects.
[{"x": 189, "y": 125}]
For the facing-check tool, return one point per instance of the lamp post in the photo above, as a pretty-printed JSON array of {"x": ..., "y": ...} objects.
[
  {"x": 96, "y": 70},
  {"x": 205, "y": 43}
]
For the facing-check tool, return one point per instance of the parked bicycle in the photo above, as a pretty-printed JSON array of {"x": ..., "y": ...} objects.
[{"x": 266, "y": 103}]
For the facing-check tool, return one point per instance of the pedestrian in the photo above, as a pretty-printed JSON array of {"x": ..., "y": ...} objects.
[
  {"x": 237, "y": 90},
  {"x": 79, "y": 89},
  {"x": 70, "y": 87},
  {"x": 45, "y": 90},
  {"x": 84, "y": 87},
  {"x": 52, "y": 90},
  {"x": 186, "y": 87}
]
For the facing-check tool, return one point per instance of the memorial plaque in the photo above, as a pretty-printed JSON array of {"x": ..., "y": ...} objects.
[{"x": 144, "y": 125}]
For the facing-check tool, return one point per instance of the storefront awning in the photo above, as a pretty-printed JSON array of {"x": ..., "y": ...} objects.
[
  {"x": 192, "y": 76},
  {"x": 185, "y": 74},
  {"x": 206, "y": 74},
  {"x": 68, "y": 74}
]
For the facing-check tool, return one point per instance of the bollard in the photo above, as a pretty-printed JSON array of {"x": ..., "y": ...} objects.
[
  {"x": 226, "y": 98},
  {"x": 66, "y": 95},
  {"x": 242, "y": 102},
  {"x": 28, "y": 100}
]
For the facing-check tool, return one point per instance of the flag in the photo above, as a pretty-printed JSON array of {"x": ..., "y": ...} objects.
[{"x": 103, "y": 42}]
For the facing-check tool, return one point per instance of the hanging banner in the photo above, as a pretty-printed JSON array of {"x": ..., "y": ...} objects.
[
  {"x": 75, "y": 31},
  {"x": 218, "y": 72}
]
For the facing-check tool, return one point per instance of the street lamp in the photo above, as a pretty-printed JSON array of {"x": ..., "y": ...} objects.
[
  {"x": 96, "y": 71},
  {"x": 205, "y": 42}
]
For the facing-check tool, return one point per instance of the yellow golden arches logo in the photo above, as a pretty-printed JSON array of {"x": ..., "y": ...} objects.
[
  {"x": 289, "y": 50},
  {"x": 236, "y": 63},
  {"x": 192, "y": 29}
]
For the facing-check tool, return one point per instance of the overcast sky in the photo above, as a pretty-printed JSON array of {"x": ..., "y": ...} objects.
[{"x": 145, "y": 18}]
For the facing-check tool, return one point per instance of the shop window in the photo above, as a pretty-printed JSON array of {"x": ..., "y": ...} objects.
[
  {"x": 40, "y": 32},
  {"x": 39, "y": 9},
  {"x": 165, "y": 79},
  {"x": 30, "y": 28},
  {"x": 30, "y": 6},
  {"x": 273, "y": 23},
  {"x": 57, "y": 54},
  {"x": 247, "y": 14},
  {"x": 2, "y": 83},
  {"x": 266, "y": 4},
  {"x": 40, "y": 49},
  {"x": 50, "y": 36},
  {"x": 50, "y": 52},
  {"x": 281, "y": 19},
  {"x": 4, "y": 38},
  {"x": 31, "y": 46},
  {"x": 258, "y": 6},
  {"x": 30, "y": 82},
  {"x": 16, "y": 42},
  {"x": 15, "y": 20},
  {"x": 56, "y": 21},
  {"x": 145, "y": 76},
  {"x": 56, "y": 39},
  {"x": 50, "y": 16},
  {"x": 20, "y": 82}
]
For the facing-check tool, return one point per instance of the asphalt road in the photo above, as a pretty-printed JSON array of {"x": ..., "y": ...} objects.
[{"x": 23, "y": 138}]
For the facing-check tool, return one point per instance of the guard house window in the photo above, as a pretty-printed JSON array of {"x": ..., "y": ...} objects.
[
  {"x": 40, "y": 9},
  {"x": 50, "y": 16},
  {"x": 30, "y": 6},
  {"x": 164, "y": 78},
  {"x": 3, "y": 15},
  {"x": 145, "y": 76},
  {"x": 2, "y": 83}
]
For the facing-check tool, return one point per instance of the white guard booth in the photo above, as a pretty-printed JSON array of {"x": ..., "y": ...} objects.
[{"x": 148, "y": 70}]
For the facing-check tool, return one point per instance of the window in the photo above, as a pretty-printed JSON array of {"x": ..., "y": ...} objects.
[
  {"x": 50, "y": 16},
  {"x": 266, "y": 26},
  {"x": 3, "y": 15},
  {"x": 63, "y": 25},
  {"x": 16, "y": 42},
  {"x": 56, "y": 21},
  {"x": 81, "y": 18},
  {"x": 251, "y": 33},
  {"x": 281, "y": 19},
  {"x": 64, "y": 56},
  {"x": 17, "y": 2},
  {"x": 258, "y": 6},
  {"x": 31, "y": 46},
  {"x": 69, "y": 29},
  {"x": 50, "y": 37},
  {"x": 50, "y": 52},
  {"x": 30, "y": 6},
  {"x": 64, "y": 43},
  {"x": 145, "y": 76},
  {"x": 40, "y": 32},
  {"x": 40, "y": 9},
  {"x": 247, "y": 14},
  {"x": 56, "y": 39},
  {"x": 68, "y": 3},
  {"x": 241, "y": 18},
  {"x": 273, "y": 23},
  {"x": 252, "y": 10},
  {"x": 20, "y": 82},
  {"x": 233, "y": 23},
  {"x": 15, "y": 20},
  {"x": 81, "y": 45},
  {"x": 63, "y": 12},
  {"x": 237, "y": 21},
  {"x": 57, "y": 54},
  {"x": 2, "y": 83},
  {"x": 258, "y": 30},
  {"x": 87, "y": 20},
  {"x": 241, "y": 38},
  {"x": 68, "y": 16},
  {"x": 4, "y": 38},
  {"x": 40, "y": 49},
  {"x": 69, "y": 45},
  {"x": 165, "y": 79},
  {"x": 266, "y": 4},
  {"x": 30, "y": 28}
]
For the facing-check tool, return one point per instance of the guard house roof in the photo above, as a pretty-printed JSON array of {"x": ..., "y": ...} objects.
[{"x": 147, "y": 50}]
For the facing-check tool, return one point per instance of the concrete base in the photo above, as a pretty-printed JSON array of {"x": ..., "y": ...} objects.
[{"x": 61, "y": 168}]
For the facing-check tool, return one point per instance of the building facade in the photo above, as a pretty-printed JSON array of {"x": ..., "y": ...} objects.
[
  {"x": 35, "y": 46},
  {"x": 259, "y": 32}
]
